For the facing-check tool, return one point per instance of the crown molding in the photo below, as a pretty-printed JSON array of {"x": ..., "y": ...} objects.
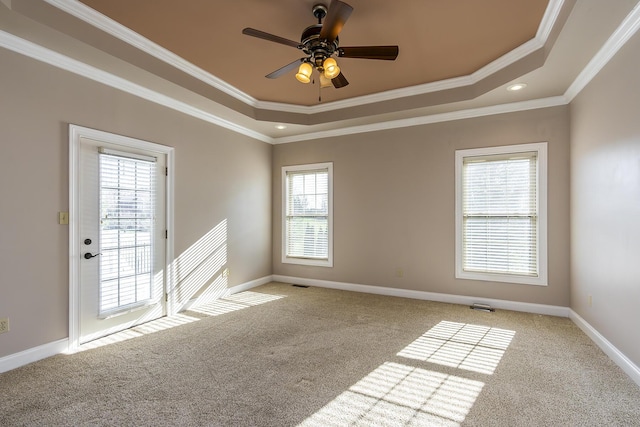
[
  {"x": 37, "y": 52},
  {"x": 40, "y": 53},
  {"x": 109, "y": 26},
  {"x": 100, "y": 21},
  {"x": 619, "y": 38},
  {"x": 425, "y": 120},
  {"x": 549, "y": 20}
]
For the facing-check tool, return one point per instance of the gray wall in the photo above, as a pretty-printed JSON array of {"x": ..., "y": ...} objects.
[
  {"x": 394, "y": 204},
  {"x": 605, "y": 201},
  {"x": 219, "y": 175}
]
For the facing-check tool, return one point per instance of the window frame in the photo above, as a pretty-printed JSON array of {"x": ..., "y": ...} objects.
[
  {"x": 286, "y": 259},
  {"x": 541, "y": 195}
]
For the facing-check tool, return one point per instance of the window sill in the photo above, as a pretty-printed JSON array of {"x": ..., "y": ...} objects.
[
  {"x": 308, "y": 261},
  {"x": 503, "y": 278}
]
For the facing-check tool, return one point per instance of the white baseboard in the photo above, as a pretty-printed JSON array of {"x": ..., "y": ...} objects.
[
  {"x": 25, "y": 357},
  {"x": 551, "y": 310},
  {"x": 249, "y": 285},
  {"x": 229, "y": 291},
  {"x": 609, "y": 349},
  {"x": 34, "y": 354}
]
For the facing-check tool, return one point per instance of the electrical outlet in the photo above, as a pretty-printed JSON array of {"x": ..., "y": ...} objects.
[
  {"x": 399, "y": 272},
  {"x": 225, "y": 273},
  {"x": 4, "y": 325}
]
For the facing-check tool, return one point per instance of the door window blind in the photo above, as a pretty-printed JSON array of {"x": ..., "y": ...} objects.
[
  {"x": 500, "y": 214},
  {"x": 126, "y": 231},
  {"x": 307, "y": 214}
]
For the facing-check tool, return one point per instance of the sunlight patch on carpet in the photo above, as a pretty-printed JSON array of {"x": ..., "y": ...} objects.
[
  {"x": 151, "y": 327},
  {"x": 397, "y": 394},
  {"x": 459, "y": 345},
  {"x": 235, "y": 302}
]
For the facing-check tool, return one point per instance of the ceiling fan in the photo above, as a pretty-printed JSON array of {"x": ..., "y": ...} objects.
[{"x": 320, "y": 43}]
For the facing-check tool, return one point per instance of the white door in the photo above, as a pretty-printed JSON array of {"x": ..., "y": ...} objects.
[{"x": 121, "y": 219}]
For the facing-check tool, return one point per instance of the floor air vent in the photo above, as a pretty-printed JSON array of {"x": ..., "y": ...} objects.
[
  {"x": 482, "y": 307},
  {"x": 300, "y": 286}
]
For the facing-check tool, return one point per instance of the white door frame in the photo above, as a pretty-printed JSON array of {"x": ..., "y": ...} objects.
[{"x": 75, "y": 134}]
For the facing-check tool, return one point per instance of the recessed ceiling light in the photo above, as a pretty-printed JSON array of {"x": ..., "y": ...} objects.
[
  {"x": 281, "y": 127},
  {"x": 516, "y": 87}
]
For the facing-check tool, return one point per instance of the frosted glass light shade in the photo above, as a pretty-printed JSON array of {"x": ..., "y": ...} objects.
[
  {"x": 304, "y": 72},
  {"x": 331, "y": 68}
]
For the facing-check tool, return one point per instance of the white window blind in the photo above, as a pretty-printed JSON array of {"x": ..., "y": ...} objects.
[
  {"x": 500, "y": 214},
  {"x": 126, "y": 231},
  {"x": 307, "y": 218}
]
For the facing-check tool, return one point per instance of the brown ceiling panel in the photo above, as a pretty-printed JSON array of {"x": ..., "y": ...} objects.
[{"x": 438, "y": 39}]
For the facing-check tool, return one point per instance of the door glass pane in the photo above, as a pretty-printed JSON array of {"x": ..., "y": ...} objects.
[{"x": 126, "y": 231}]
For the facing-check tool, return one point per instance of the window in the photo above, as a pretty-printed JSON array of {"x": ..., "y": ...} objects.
[
  {"x": 501, "y": 214},
  {"x": 307, "y": 214},
  {"x": 127, "y": 215}
]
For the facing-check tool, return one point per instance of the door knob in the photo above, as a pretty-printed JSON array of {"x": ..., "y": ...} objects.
[{"x": 89, "y": 255}]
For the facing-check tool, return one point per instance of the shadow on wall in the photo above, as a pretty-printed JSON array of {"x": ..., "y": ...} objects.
[{"x": 198, "y": 274}]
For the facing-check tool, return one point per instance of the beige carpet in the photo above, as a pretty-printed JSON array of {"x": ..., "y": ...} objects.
[{"x": 285, "y": 356}]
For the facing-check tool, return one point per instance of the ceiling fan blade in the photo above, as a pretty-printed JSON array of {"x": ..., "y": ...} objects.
[
  {"x": 339, "y": 81},
  {"x": 388, "y": 53},
  {"x": 337, "y": 15},
  {"x": 284, "y": 70},
  {"x": 270, "y": 37}
]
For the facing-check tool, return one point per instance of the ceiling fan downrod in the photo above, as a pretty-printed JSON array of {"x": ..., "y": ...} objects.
[{"x": 320, "y": 11}]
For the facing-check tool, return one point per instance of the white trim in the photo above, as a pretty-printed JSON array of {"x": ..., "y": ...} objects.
[
  {"x": 549, "y": 20},
  {"x": 619, "y": 38},
  {"x": 470, "y": 113},
  {"x": 229, "y": 291},
  {"x": 75, "y": 134},
  {"x": 299, "y": 260},
  {"x": 249, "y": 285},
  {"x": 550, "y": 310},
  {"x": 109, "y": 26},
  {"x": 39, "y": 53},
  {"x": 44, "y": 351},
  {"x": 134, "y": 39},
  {"x": 34, "y": 354},
  {"x": 50, "y": 57},
  {"x": 609, "y": 349},
  {"x": 169, "y": 198},
  {"x": 541, "y": 166},
  {"x": 622, "y": 34}
]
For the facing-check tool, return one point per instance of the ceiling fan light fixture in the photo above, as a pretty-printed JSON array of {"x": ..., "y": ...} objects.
[
  {"x": 325, "y": 82},
  {"x": 331, "y": 69},
  {"x": 304, "y": 72}
]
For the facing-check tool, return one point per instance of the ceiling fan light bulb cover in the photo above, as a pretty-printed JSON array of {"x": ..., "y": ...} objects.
[
  {"x": 331, "y": 68},
  {"x": 304, "y": 72},
  {"x": 325, "y": 82}
]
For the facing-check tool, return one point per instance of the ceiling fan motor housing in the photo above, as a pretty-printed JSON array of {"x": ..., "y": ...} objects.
[{"x": 317, "y": 49}]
